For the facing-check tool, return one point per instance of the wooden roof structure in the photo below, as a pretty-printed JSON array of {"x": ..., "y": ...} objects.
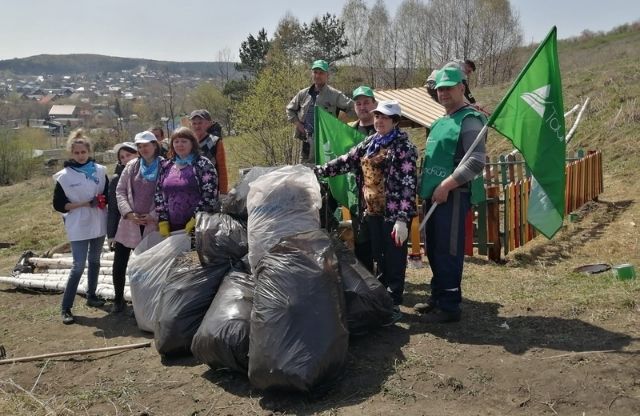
[{"x": 418, "y": 108}]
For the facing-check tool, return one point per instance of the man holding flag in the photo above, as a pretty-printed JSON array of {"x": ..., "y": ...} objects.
[
  {"x": 446, "y": 182},
  {"x": 531, "y": 117}
]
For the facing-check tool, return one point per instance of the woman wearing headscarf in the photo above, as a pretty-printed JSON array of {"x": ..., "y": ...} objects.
[
  {"x": 385, "y": 168},
  {"x": 188, "y": 183},
  {"x": 135, "y": 198},
  {"x": 80, "y": 196}
]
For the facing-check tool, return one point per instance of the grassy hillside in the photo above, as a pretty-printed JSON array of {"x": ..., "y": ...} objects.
[{"x": 604, "y": 69}]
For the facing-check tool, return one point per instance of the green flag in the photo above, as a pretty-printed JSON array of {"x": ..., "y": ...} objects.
[
  {"x": 333, "y": 138},
  {"x": 531, "y": 115}
]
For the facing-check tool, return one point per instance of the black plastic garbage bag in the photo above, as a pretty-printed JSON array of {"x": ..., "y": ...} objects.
[
  {"x": 220, "y": 239},
  {"x": 222, "y": 341},
  {"x": 185, "y": 298},
  {"x": 298, "y": 337},
  {"x": 235, "y": 202},
  {"x": 368, "y": 303}
]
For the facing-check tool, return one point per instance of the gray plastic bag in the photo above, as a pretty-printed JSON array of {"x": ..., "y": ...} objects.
[
  {"x": 281, "y": 203},
  {"x": 235, "y": 202},
  {"x": 148, "y": 272}
]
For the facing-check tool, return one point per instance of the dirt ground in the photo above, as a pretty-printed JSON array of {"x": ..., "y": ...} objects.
[
  {"x": 477, "y": 366},
  {"x": 534, "y": 340}
]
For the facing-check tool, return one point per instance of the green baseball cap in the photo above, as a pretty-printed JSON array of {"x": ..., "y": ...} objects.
[
  {"x": 448, "y": 77},
  {"x": 364, "y": 91},
  {"x": 320, "y": 64}
]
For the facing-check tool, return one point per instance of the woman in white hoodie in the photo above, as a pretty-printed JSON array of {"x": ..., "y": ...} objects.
[{"x": 80, "y": 196}]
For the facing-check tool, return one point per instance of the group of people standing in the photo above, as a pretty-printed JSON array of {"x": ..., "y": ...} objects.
[
  {"x": 387, "y": 179},
  {"x": 156, "y": 187},
  {"x": 160, "y": 187}
]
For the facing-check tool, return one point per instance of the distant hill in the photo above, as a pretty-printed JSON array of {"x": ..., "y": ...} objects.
[{"x": 91, "y": 63}]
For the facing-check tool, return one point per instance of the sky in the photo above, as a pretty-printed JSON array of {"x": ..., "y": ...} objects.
[{"x": 199, "y": 30}]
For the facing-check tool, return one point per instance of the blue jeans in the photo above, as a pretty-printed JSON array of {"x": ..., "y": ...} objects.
[{"x": 80, "y": 250}]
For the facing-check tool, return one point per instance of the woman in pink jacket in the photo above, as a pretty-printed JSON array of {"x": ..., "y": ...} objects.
[{"x": 134, "y": 194}]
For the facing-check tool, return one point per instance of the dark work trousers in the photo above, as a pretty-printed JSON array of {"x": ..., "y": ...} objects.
[
  {"x": 391, "y": 260},
  {"x": 328, "y": 220},
  {"x": 362, "y": 240},
  {"x": 120, "y": 261},
  {"x": 445, "y": 249}
]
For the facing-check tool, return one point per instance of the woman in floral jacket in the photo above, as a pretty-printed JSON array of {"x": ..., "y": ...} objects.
[
  {"x": 187, "y": 183},
  {"x": 385, "y": 168}
]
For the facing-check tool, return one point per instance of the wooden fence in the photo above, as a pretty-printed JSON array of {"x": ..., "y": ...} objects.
[{"x": 500, "y": 225}]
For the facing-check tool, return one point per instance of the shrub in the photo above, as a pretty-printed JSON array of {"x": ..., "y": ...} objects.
[{"x": 17, "y": 161}]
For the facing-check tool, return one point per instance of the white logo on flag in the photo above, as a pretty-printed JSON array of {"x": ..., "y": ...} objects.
[{"x": 538, "y": 99}]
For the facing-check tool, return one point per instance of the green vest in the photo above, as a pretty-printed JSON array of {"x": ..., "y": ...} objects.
[{"x": 442, "y": 144}]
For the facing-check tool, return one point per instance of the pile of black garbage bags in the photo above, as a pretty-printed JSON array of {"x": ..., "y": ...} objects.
[{"x": 270, "y": 294}]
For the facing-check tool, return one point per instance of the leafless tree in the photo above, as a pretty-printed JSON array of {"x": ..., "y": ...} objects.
[
  {"x": 498, "y": 34},
  {"x": 376, "y": 45},
  {"x": 424, "y": 35},
  {"x": 408, "y": 23},
  {"x": 225, "y": 66},
  {"x": 355, "y": 15},
  {"x": 173, "y": 95}
]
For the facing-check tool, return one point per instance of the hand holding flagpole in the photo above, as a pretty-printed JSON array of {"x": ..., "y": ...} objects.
[{"x": 464, "y": 159}]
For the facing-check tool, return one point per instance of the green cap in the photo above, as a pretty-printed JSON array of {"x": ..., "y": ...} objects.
[
  {"x": 448, "y": 77},
  {"x": 320, "y": 64},
  {"x": 364, "y": 91}
]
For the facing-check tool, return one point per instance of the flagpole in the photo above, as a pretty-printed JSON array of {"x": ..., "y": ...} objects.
[{"x": 464, "y": 159}]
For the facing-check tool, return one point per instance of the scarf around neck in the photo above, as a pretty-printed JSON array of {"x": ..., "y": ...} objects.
[
  {"x": 88, "y": 169},
  {"x": 186, "y": 161},
  {"x": 379, "y": 141},
  {"x": 149, "y": 171}
]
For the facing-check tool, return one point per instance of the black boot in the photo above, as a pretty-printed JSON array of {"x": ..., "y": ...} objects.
[
  {"x": 67, "y": 317},
  {"x": 118, "y": 306},
  {"x": 94, "y": 301}
]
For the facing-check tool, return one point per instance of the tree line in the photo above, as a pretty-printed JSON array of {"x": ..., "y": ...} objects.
[
  {"x": 365, "y": 45},
  {"x": 395, "y": 51}
]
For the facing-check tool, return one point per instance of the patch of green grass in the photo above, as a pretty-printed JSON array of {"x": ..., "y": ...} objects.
[
  {"x": 43, "y": 313},
  {"x": 28, "y": 220},
  {"x": 110, "y": 394}
]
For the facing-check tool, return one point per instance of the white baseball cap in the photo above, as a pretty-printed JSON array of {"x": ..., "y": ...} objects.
[
  {"x": 145, "y": 137},
  {"x": 125, "y": 145},
  {"x": 389, "y": 108}
]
